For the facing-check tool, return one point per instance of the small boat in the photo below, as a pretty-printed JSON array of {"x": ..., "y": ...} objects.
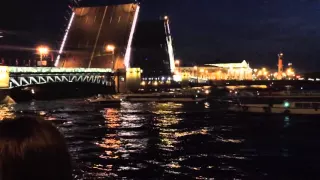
[
  {"x": 105, "y": 99},
  {"x": 297, "y": 108}
]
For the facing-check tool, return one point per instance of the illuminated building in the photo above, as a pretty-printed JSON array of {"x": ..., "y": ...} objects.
[
  {"x": 152, "y": 48},
  {"x": 236, "y": 71},
  {"x": 223, "y": 71}
]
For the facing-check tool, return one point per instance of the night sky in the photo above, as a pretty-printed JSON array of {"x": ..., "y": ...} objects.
[{"x": 204, "y": 31}]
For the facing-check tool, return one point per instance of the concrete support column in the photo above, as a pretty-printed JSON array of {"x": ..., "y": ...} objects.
[{"x": 120, "y": 81}]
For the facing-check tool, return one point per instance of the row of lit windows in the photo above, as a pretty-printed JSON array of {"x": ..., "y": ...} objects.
[{"x": 157, "y": 79}]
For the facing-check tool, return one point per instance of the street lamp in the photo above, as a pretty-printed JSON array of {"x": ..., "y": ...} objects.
[
  {"x": 110, "y": 49},
  {"x": 43, "y": 51}
]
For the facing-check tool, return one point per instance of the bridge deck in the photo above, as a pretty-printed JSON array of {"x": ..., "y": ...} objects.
[{"x": 15, "y": 69}]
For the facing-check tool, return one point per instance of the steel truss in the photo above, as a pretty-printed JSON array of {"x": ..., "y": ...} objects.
[{"x": 20, "y": 80}]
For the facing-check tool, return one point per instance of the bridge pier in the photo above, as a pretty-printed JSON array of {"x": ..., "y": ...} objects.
[
  {"x": 127, "y": 81},
  {"x": 120, "y": 81},
  {"x": 4, "y": 86}
]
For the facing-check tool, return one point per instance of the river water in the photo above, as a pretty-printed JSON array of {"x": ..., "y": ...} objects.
[{"x": 171, "y": 141}]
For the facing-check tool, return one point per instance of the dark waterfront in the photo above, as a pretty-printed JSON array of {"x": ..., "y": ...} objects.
[{"x": 167, "y": 141}]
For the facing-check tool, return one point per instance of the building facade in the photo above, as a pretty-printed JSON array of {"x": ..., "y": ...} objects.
[{"x": 223, "y": 71}]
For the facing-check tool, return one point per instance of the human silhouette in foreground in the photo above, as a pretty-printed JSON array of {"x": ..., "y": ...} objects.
[{"x": 32, "y": 149}]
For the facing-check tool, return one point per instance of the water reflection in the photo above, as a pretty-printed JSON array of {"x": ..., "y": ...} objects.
[
  {"x": 124, "y": 138},
  {"x": 174, "y": 141},
  {"x": 6, "y": 112},
  {"x": 286, "y": 121}
]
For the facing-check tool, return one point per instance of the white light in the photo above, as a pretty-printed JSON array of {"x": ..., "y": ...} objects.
[
  {"x": 286, "y": 104},
  {"x": 1, "y": 36},
  {"x": 177, "y": 78},
  {"x": 32, "y": 91},
  {"x": 64, "y": 40},
  {"x": 128, "y": 51},
  {"x": 170, "y": 49}
]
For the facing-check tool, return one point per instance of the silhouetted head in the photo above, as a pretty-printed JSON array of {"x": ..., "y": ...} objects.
[{"x": 32, "y": 149}]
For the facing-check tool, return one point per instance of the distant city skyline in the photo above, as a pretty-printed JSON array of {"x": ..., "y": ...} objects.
[{"x": 203, "y": 30}]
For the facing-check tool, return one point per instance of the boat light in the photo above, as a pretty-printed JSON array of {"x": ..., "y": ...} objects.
[{"x": 286, "y": 104}]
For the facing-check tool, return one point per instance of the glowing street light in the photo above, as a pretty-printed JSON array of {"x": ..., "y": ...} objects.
[
  {"x": 43, "y": 51},
  {"x": 110, "y": 48}
]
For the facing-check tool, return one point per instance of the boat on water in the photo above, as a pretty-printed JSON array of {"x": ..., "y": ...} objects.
[
  {"x": 287, "y": 107},
  {"x": 165, "y": 97},
  {"x": 105, "y": 99}
]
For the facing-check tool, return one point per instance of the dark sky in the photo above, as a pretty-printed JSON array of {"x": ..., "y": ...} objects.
[{"x": 203, "y": 30}]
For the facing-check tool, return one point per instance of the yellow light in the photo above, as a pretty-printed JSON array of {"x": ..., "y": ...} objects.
[
  {"x": 165, "y": 17},
  {"x": 143, "y": 83},
  {"x": 195, "y": 67},
  {"x": 177, "y": 62},
  {"x": 110, "y": 48},
  {"x": 43, "y": 50},
  {"x": 202, "y": 70},
  {"x": 265, "y": 73},
  {"x": 155, "y": 83},
  {"x": 290, "y": 72}
]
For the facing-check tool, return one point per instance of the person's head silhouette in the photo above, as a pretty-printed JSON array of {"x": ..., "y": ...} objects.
[{"x": 32, "y": 148}]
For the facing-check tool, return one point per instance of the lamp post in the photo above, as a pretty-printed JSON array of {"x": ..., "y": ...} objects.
[
  {"x": 110, "y": 49},
  {"x": 42, "y": 50}
]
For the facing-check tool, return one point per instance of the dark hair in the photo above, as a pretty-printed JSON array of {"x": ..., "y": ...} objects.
[{"x": 32, "y": 148}]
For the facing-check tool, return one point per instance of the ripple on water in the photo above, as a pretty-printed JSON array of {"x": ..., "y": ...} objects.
[{"x": 174, "y": 141}]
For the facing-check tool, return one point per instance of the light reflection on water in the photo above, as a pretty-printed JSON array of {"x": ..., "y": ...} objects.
[{"x": 172, "y": 140}]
